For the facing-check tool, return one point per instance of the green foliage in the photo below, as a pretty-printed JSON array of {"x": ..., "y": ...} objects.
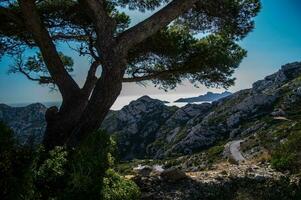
[
  {"x": 118, "y": 188},
  {"x": 228, "y": 17},
  {"x": 89, "y": 164},
  {"x": 54, "y": 165},
  {"x": 14, "y": 162},
  {"x": 283, "y": 161},
  {"x": 61, "y": 174},
  {"x": 287, "y": 155},
  {"x": 173, "y": 54},
  {"x": 49, "y": 172},
  {"x": 215, "y": 152},
  {"x": 6, "y": 157},
  {"x": 35, "y": 68}
]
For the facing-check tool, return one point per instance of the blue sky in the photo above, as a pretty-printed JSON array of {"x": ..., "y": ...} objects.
[{"x": 275, "y": 41}]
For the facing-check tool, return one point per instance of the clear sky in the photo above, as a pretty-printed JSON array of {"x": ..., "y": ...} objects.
[{"x": 275, "y": 41}]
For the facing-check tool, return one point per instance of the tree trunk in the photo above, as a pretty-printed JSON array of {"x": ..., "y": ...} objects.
[
  {"x": 60, "y": 122},
  {"x": 103, "y": 97},
  {"x": 76, "y": 119}
]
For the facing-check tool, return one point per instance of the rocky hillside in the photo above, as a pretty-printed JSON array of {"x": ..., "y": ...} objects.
[
  {"x": 28, "y": 123},
  {"x": 222, "y": 182},
  {"x": 148, "y": 128},
  {"x": 136, "y": 125}
]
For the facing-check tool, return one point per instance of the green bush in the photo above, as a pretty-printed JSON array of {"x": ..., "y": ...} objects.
[
  {"x": 61, "y": 174},
  {"x": 214, "y": 153},
  {"x": 282, "y": 162},
  {"x": 14, "y": 162},
  {"x": 88, "y": 165},
  {"x": 49, "y": 173},
  {"x": 6, "y": 157},
  {"x": 118, "y": 188},
  {"x": 287, "y": 155}
]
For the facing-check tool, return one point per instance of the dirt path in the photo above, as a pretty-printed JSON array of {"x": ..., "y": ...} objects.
[{"x": 235, "y": 151}]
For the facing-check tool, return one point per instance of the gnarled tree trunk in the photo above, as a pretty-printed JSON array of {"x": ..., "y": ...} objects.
[{"x": 75, "y": 120}]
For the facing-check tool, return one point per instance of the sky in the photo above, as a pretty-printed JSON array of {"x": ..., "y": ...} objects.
[{"x": 274, "y": 42}]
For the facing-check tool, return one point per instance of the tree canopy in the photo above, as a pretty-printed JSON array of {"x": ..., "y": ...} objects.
[{"x": 199, "y": 44}]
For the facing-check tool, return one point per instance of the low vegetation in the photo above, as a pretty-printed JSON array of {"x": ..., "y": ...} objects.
[{"x": 85, "y": 173}]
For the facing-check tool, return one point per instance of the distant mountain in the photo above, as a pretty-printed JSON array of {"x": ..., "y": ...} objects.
[
  {"x": 209, "y": 96},
  {"x": 27, "y": 122}
]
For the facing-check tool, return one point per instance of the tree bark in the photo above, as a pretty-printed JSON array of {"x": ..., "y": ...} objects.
[
  {"x": 60, "y": 122},
  {"x": 105, "y": 93},
  {"x": 84, "y": 116}
]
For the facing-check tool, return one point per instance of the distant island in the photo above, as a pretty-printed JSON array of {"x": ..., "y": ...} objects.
[{"x": 209, "y": 96}]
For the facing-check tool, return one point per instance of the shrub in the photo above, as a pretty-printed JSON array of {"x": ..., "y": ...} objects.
[
  {"x": 118, "y": 188},
  {"x": 214, "y": 153},
  {"x": 88, "y": 166},
  {"x": 49, "y": 172},
  {"x": 61, "y": 173},
  {"x": 282, "y": 161},
  {"x": 14, "y": 162},
  {"x": 6, "y": 157},
  {"x": 287, "y": 155}
]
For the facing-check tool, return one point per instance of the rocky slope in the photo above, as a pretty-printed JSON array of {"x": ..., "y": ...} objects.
[
  {"x": 136, "y": 125},
  {"x": 167, "y": 131},
  {"x": 28, "y": 123},
  {"x": 223, "y": 182},
  {"x": 147, "y": 128}
]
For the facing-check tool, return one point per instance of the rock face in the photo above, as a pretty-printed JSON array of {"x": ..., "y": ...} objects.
[
  {"x": 28, "y": 123},
  {"x": 136, "y": 125}
]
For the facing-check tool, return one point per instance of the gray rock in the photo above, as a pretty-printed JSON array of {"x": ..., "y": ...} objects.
[
  {"x": 298, "y": 91},
  {"x": 286, "y": 73},
  {"x": 278, "y": 112},
  {"x": 143, "y": 170},
  {"x": 234, "y": 120}
]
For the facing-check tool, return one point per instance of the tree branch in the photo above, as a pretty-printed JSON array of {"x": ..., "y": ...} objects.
[
  {"x": 10, "y": 15},
  {"x": 153, "y": 24},
  {"x": 104, "y": 24},
  {"x": 18, "y": 67},
  {"x": 55, "y": 66},
  {"x": 156, "y": 75}
]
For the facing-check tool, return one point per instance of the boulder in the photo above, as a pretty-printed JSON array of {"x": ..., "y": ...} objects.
[
  {"x": 278, "y": 112},
  {"x": 173, "y": 174},
  {"x": 143, "y": 170},
  {"x": 298, "y": 91}
]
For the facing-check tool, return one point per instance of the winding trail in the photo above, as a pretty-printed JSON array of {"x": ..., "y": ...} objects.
[{"x": 235, "y": 150}]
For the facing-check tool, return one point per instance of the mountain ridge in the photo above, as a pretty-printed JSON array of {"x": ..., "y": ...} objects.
[{"x": 208, "y": 97}]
